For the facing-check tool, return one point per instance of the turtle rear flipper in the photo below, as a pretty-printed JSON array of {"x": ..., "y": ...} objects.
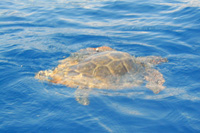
[
  {"x": 82, "y": 95},
  {"x": 155, "y": 80}
]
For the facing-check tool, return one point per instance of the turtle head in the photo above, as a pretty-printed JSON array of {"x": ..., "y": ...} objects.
[{"x": 103, "y": 48}]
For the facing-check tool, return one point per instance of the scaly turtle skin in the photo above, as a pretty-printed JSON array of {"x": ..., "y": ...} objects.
[{"x": 104, "y": 68}]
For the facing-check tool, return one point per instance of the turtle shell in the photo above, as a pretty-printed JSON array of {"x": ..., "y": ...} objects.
[
  {"x": 105, "y": 64},
  {"x": 107, "y": 69}
]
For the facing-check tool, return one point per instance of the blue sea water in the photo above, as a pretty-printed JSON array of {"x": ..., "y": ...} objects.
[{"x": 35, "y": 35}]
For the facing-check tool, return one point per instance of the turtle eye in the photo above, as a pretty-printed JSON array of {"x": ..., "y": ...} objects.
[{"x": 97, "y": 49}]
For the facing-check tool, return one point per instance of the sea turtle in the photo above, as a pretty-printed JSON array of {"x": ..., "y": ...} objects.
[{"x": 104, "y": 68}]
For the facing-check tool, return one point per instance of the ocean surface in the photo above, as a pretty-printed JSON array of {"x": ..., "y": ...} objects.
[{"x": 35, "y": 35}]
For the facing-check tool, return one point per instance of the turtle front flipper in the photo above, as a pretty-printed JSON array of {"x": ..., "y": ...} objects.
[
  {"x": 82, "y": 95},
  {"x": 44, "y": 75},
  {"x": 151, "y": 60},
  {"x": 155, "y": 80}
]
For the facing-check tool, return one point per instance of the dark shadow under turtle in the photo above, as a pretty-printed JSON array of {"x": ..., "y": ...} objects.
[{"x": 104, "y": 68}]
